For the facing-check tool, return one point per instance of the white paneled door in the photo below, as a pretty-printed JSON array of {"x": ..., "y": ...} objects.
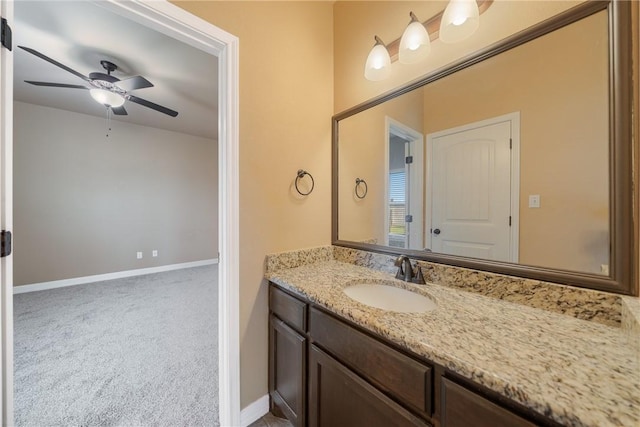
[{"x": 471, "y": 192}]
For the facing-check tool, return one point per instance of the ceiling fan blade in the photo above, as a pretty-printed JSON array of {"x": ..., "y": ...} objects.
[
  {"x": 151, "y": 105},
  {"x": 133, "y": 83},
  {"x": 55, "y": 85},
  {"x": 119, "y": 111},
  {"x": 54, "y": 62}
]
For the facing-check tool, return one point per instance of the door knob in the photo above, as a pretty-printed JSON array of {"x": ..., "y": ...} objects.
[{"x": 436, "y": 231}]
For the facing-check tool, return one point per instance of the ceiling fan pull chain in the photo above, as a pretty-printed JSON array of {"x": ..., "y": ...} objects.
[{"x": 108, "y": 121}]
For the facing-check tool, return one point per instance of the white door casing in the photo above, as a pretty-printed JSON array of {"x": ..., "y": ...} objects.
[
  {"x": 181, "y": 25},
  {"x": 414, "y": 181},
  {"x": 474, "y": 189},
  {"x": 6, "y": 219}
]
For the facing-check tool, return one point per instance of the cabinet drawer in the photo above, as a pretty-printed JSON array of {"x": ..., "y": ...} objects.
[
  {"x": 290, "y": 309},
  {"x": 463, "y": 408},
  {"x": 340, "y": 398},
  {"x": 391, "y": 371}
]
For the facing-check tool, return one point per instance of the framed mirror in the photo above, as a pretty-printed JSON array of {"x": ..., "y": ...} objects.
[{"x": 516, "y": 159}]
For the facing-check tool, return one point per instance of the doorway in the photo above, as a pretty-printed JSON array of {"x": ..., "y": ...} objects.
[
  {"x": 404, "y": 169},
  {"x": 474, "y": 189},
  {"x": 175, "y": 22}
]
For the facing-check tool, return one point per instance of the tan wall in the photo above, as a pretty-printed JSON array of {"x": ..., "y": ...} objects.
[
  {"x": 356, "y": 22},
  {"x": 286, "y": 102},
  {"x": 362, "y": 155},
  {"x": 559, "y": 84},
  {"x": 85, "y": 204}
]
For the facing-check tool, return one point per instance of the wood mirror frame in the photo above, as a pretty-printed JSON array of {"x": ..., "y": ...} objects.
[{"x": 622, "y": 274}]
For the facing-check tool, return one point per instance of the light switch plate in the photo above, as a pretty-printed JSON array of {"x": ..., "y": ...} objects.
[{"x": 534, "y": 200}]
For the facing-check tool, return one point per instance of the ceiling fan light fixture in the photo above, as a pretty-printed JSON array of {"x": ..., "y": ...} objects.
[{"x": 108, "y": 98}]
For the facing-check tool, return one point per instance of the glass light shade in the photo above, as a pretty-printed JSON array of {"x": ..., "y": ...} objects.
[
  {"x": 107, "y": 98},
  {"x": 461, "y": 18},
  {"x": 378, "y": 62},
  {"x": 415, "y": 44}
]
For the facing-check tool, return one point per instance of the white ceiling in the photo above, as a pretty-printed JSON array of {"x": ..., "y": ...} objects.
[{"x": 79, "y": 34}]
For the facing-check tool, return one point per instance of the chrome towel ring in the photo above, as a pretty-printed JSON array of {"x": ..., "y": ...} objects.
[
  {"x": 301, "y": 173},
  {"x": 366, "y": 188}
]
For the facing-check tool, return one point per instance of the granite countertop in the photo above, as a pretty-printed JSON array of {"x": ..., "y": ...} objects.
[{"x": 578, "y": 373}]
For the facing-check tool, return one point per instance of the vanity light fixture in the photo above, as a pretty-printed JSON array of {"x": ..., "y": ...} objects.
[
  {"x": 378, "y": 62},
  {"x": 107, "y": 98},
  {"x": 415, "y": 43},
  {"x": 460, "y": 20}
]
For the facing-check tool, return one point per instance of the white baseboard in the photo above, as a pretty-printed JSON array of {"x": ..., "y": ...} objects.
[
  {"x": 254, "y": 411},
  {"x": 108, "y": 276}
]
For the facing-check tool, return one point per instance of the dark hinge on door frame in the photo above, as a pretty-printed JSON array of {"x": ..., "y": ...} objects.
[
  {"x": 509, "y": 220},
  {"x": 408, "y": 160},
  {"x": 5, "y": 243},
  {"x": 510, "y": 144},
  {"x": 5, "y": 34}
]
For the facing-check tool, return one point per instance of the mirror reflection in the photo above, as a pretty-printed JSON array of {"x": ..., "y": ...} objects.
[{"x": 506, "y": 160}]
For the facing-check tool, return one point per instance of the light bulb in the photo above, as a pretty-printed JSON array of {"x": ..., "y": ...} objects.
[
  {"x": 108, "y": 98},
  {"x": 415, "y": 43},
  {"x": 460, "y": 19},
  {"x": 378, "y": 62}
]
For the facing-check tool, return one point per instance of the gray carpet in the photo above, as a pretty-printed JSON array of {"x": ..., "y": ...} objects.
[{"x": 139, "y": 351}]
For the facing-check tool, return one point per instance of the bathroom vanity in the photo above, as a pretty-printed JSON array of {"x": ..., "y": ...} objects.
[
  {"x": 473, "y": 361},
  {"x": 345, "y": 364}
]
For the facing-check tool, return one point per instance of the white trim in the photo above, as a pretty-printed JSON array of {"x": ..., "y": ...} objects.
[
  {"x": 515, "y": 186},
  {"x": 514, "y": 230},
  {"x": 254, "y": 411},
  {"x": 43, "y": 286},
  {"x": 415, "y": 206},
  {"x": 181, "y": 25},
  {"x": 428, "y": 195},
  {"x": 6, "y": 219}
]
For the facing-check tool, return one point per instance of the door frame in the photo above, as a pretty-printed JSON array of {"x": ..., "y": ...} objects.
[
  {"x": 392, "y": 126},
  {"x": 187, "y": 28},
  {"x": 514, "y": 230},
  {"x": 6, "y": 220}
]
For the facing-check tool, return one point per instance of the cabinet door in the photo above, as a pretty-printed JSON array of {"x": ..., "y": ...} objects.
[
  {"x": 464, "y": 408},
  {"x": 338, "y": 397},
  {"x": 287, "y": 370}
]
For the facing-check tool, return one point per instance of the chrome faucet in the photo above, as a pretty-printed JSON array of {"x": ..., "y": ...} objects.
[{"x": 405, "y": 270}]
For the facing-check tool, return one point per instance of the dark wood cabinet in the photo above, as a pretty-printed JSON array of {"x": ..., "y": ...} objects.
[
  {"x": 288, "y": 370},
  {"x": 325, "y": 371},
  {"x": 288, "y": 356},
  {"x": 340, "y": 398},
  {"x": 402, "y": 377},
  {"x": 463, "y": 408}
]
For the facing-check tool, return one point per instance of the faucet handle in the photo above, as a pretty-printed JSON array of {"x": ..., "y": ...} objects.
[
  {"x": 418, "y": 278},
  {"x": 399, "y": 263}
]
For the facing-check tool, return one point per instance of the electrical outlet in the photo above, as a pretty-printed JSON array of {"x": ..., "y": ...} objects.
[
  {"x": 534, "y": 201},
  {"x": 604, "y": 269},
  {"x": 139, "y": 255},
  {"x": 154, "y": 253}
]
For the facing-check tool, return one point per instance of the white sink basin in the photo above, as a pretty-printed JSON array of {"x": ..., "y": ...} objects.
[{"x": 390, "y": 298}]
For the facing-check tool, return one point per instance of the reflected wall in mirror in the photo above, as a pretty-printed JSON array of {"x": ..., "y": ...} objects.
[
  {"x": 550, "y": 97},
  {"x": 507, "y": 160}
]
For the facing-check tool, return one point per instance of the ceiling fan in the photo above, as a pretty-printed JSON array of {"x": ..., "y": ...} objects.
[{"x": 106, "y": 89}]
